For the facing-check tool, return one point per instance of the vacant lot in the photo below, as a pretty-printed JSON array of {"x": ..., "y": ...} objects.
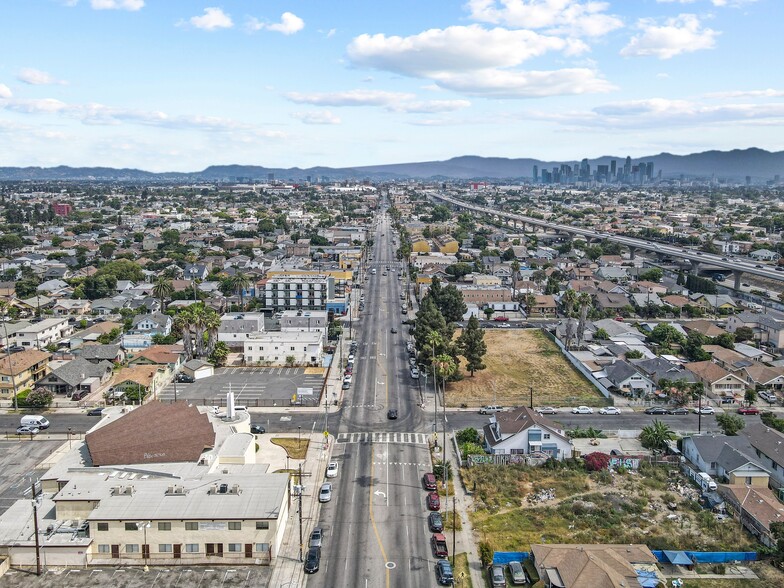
[
  {"x": 518, "y": 360},
  {"x": 601, "y": 507}
]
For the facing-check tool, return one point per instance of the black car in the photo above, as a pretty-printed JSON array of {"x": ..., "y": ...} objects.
[
  {"x": 257, "y": 429},
  {"x": 435, "y": 522},
  {"x": 184, "y": 379},
  {"x": 680, "y": 410},
  {"x": 656, "y": 410},
  {"x": 312, "y": 560},
  {"x": 95, "y": 412},
  {"x": 392, "y": 414}
]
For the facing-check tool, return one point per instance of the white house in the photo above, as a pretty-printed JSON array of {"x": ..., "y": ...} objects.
[
  {"x": 237, "y": 327},
  {"x": 524, "y": 431},
  {"x": 273, "y": 348},
  {"x": 39, "y": 335}
]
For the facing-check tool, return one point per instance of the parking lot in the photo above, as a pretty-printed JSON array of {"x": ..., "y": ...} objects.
[
  {"x": 18, "y": 462},
  {"x": 256, "y": 386},
  {"x": 172, "y": 577}
]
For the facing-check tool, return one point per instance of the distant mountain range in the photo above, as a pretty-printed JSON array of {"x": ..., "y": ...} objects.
[{"x": 761, "y": 165}]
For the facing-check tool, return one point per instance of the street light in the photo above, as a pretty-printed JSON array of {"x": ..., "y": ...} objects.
[{"x": 299, "y": 436}]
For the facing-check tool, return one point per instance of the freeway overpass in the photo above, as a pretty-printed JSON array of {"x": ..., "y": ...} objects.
[{"x": 730, "y": 264}]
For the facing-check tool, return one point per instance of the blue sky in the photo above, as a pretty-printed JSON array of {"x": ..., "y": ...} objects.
[{"x": 179, "y": 84}]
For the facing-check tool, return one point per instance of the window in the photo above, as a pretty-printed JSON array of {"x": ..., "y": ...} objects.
[
  {"x": 191, "y": 548},
  {"x": 235, "y": 526},
  {"x": 546, "y": 436},
  {"x": 103, "y": 526},
  {"x": 164, "y": 526},
  {"x": 104, "y": 549},
  {"x": 132, "y": 527},
  {"x": 263, "y": 547},
  {"x": 235, "y": 547},
  {"x": 165, "y": 548},
  {"x": 191, "y": 526},
  {"x": 262, "y": 525},
  {"x": 132, "y": 548}
]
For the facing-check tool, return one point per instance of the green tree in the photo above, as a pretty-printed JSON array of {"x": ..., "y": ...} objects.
[
  {"x": 10, "y": 242},
  {"x": 750, "y": 396},
  {"x": 730, "y": 423},
  {"x": 744, "y": 334},
  {"x": 450, "y": 304},
  {"x": 692, "y": 348},
  {"x": 489, "y": 311},
  {"x": 122, "y": 269},
  {"x": 654, "y": 274},
  {"x": 162, "y": 289},
  {"x": 39, "y": 398},
  {"x": 601, "y": 335},
  {"x": 239, "y": 283},
  {"x": 432, "y": 335},
  {"x": 726, "y": 340},
  {"x": 26, "y": 287},
  {"x": 468, "y": 435},
  {"x": 666, "y": 335},
  {"x": 634, "y": 354},
  {"x": 106, "y": 250},
  {"x": 656, "y": 435},
  {"x": 584, "y": 302},
  {"x": 472, "y": 345},
  {"x": 568, "y": 300},
  {"x": 170, "y": 237}
]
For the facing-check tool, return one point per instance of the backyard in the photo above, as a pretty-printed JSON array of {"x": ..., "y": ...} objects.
[{"x": 518, "y": 360}]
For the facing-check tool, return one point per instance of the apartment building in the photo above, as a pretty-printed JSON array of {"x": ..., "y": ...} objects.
[
  {"x": 304, "y": 320},
  {"x": 295, "y": 292},
  {"x": 275, "y": 348},
  {"x": 22, "y": 370},
  {"x": 39, "y": 335},
  {"x": 236, "y": 327},
  {"x": 484, "y": 295}
]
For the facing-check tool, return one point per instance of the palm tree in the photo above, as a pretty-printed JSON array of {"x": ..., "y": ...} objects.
[
  {"x": 445, "y": 366},
  {"x": 198, "y": 314},
  {"x": 584, "y": 302},
  {"x": 656, "y": 435},
  {"x": 239, "y": 282},
  {"x": 182, "y": 323},
  {"x": 162, "y": 289},
  {"x": 515, "y": 271},
  {"x": 530, "y": 302},
  {"x": 568, "y": 301},
  {"x": 212, "y": 323}
]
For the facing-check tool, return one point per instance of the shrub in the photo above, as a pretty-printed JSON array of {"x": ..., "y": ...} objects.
[
  {"x": 485, "y": 553},
  {"x": 39, "y": 398},
  {"x": 468, "y": 435},
  {"x": 471, "y": 448},
  {"x": 596, "y": 461}
]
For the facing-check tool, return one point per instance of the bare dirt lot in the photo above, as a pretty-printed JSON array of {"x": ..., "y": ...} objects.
[{"x": 518, "y": 360}]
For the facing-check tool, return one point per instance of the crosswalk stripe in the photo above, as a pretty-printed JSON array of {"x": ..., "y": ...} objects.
[{"x": 383, "y": 437}]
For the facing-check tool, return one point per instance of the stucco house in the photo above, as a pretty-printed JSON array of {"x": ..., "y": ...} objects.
[{"x": 523, "y": 431}]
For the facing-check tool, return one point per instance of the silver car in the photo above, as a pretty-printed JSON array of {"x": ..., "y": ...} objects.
[
  {"x": 517, "y": 573},
  {"x": 316, "y": 537},
  {"x": 497, "y": 577},
  {"x": 325, "y": 494}
]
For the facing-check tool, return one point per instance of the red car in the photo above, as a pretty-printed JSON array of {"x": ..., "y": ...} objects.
[
  {"x": 429, "y": 481},
  {"x": 501, "y": 318},
  {"x": 433, "y": 501},
  {"x": 748, "y": 410}
]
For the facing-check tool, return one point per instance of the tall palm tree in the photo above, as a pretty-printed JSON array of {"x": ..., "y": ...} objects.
[
  {"x": 212, "y": 324},
  {"x": 515, "y": 271},
  {"x": 584, "y": 302},
  {"x": 568, "y": 301},
  {"x": 182, "y": 323},
  {"x": 445, "y": 366},
  {"x": 162, "y": 289},
  {"x": 198, "y": 314},
  {"x": 239, "y": 282}
]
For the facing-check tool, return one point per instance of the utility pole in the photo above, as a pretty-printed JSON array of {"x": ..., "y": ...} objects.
[
  {"x": 531, "y": 406},
  {"x": 300, "y": 512},
  {"x": 8, "y": 356},
  {"x": 35, "y": 528},
  {"x": 454, "y": 531}
]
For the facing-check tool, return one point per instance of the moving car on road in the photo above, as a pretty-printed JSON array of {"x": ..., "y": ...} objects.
[
  {"x": 609, "y": 410},
  {"x": 582, "y": 410},
  {"x": 392, "y": 414}
]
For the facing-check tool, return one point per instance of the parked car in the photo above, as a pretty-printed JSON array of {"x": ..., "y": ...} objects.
[
  {"x": 433, "y": 501},
  {"x": 346, "y": 385},
  {"x": 98, "y": 411},
  {"x": 582, "y": 410},
  {"x": 392, "y": 414},
  {"x": 490, "y": 409},
  {"x": 439, "y": 546},
  {"x": 546, "y": 410},
  {"x": 748, "y": 410},
  {"x": 705, "y": 410},
  {"x": 501, "y": 319},
  {"x": 609, "y": 410},
  {"x": 79, "y": 394},
  {"x": 332, "y": 469},
  {"x": 415, "y": 373},
  {"x": 316, "y": 537},
  {"x": 497, "y": 577},
  {"x": 184, "y": 379},
  {"x": 679, "y": 410},
  {"x": 517, "y": 573},
  {"x": 257, "y": 429},
  {"x": 325, "y": 494},
  {"x": 656, "y": 410},
  {"x": 312, "y": 560},
  {"x": 444, "y": 574},
  {"x": 429, "y": 481},
  {"x": 435, "y": 522},
  {"x": 26, "y": 430},
  {"x": 768, "y": 397}
]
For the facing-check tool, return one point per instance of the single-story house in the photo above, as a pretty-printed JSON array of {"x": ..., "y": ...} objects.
[{"x": 524, "y": 431}]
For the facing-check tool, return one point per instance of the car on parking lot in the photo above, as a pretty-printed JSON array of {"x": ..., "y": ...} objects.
[
  {"x": 312, "y": 560},
  {"x": 435, "y": 522},
  {"x": 705, "y": 410},
  {"x": 546, "y": 410},
  {"x": 444, "y": 574},
  {"x": 497, "y": 576},
  {"x": 656, "y": 410},
  {"x": 332, "y": 469},
  {"x": 433, "y": 501},
  {"x": 184, "y": 379},
  {"x": 325, "y": 494},
  {"x": 257, "y": 429},
  {"x": 97, "y": 411},
  {"x": 392, "y": 414},
  {"x": 679, "y": 410},
  {"x": 429, "y": 481},
  {"x": 316, "y": 536},
  {"x": 609, "y": 410},
  {"x": 26, "y": 430},
  {"x": 748, "y": 410},
  {"x": 582, "y": 410},
  {"x": 517, "y": 573}
]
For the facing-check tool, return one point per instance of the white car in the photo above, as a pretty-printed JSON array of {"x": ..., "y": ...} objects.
[
  {"x": 609, "y": 410},
  {"x": 347, "y": 379},
  {"x": 332, "y": 469},
  {"x": 705, "y": 410},
  {"x": 582, "y": 410}
]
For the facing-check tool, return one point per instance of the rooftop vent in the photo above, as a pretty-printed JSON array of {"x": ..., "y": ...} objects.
[
  {"x": 122, "y": 490},
  {"x": 175, "y": 490}
]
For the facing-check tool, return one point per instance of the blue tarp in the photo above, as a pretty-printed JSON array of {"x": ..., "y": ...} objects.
[
  {"x": 710, "y": 556},
  {"x": 678, "y": 558},
  {"x": 647, "y": 579},
  {"x": 504, "y": 557}
]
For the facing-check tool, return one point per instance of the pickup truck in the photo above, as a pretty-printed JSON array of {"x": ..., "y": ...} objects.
[{"x": 438, "y": 541}]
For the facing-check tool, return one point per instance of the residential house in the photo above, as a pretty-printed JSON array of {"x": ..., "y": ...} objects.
[
  {"x": 758, "y": 374},
  {"x": 22, "y": 370},
  {"x": 484, "y": 295},
  {"x": 76, "y": 375},
  {"x": 658, "y": 369},
  {"x": 68, "y": 307},
  {"x": 703, "y": 451},
  {"x": 768, "y": 447},
  {"x": 96, "y": 353},
  {"x": 706, "y": 328},
  {"x": 757, "y": 509},
  {"x": 626, "y": 379},
  {"x": 715, "y": 303},
  {"x": 545, "y": 305},
  {"x": 106, "y": 306},
  {"x": 719, "y": 383},
  {"x": 608, "y": 301},
  {"x": 137, "y": 382},
  {"x": 53, "y": 286},
  {"x": 236, "y": 327},
  {"x": 170, "y": 356},
  {"x": 524, "y": 431},
  {"x": 420, "y": 245},
  {"x": 729, "y": 359},
  {"x": 613, "y": 274},
  {"x": 767, "y": 329},
  {"x": 764, "y": 255},
  {"x": 143, "y": 329}
]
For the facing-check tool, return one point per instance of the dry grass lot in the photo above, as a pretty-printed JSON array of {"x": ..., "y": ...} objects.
[
  {"x": 516, "y": 360},
  {"x": 295, "y": 448}
]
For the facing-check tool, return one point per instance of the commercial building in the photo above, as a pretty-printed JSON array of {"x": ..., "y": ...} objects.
[{"x": 284, "y": 347}]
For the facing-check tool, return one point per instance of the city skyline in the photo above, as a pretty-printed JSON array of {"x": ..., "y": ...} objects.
[{"x": 181, "y": 86}]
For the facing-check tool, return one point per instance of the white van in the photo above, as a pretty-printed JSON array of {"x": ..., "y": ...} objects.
[
  {"x": 490, "y": 409},
  {"x": 34, "y": 420},
  {"x": 706, "y": 482}
]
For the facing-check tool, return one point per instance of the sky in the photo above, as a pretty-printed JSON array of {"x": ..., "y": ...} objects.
[{"x": 178, "y": 85}]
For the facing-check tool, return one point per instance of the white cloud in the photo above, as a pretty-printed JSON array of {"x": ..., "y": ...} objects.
[
  {"x": 525, "y": 84},
  {"x": 289, "y": 24},
  {"x": 131, "y": 5},
  {"x": 682, "y": 34},
  {"x": 455, "y": 49},
  {"x": 5, "y": 92},
  {"x": 769, "y": 93},
  {"x": 718, "y": 3},
  {"x": 36, "y": 77},
  {"x": 212, "y": 19},
  {"x": 317, "y": 117},
  {"x": 429, "y": 106},
  {"x": 350, "y": 98},
  {"x": 573, "y": 17}
]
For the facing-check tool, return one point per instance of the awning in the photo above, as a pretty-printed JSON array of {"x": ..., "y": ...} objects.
[{"x": 678, "y": 558}]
